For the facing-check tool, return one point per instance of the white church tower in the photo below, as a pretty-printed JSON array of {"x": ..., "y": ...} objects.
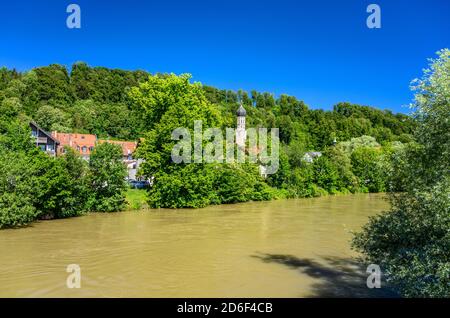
[{"x": 241, "y": 134}]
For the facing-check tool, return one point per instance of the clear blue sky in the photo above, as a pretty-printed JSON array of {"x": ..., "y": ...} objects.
[{"x": 320, "y": 51}]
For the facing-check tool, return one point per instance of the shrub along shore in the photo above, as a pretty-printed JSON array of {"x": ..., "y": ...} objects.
[{"x": 34, "y": 185}]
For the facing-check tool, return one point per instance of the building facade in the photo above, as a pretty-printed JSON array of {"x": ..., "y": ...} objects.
[
  {"x": 44, "y": 140},
  {"x": 241, "y": 133},
  {"x": 82, "y": 144},
  {"x": 311, "y": 155}
]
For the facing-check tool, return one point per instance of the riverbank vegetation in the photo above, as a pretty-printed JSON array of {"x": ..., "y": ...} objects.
[
  {"x": 411, "y": 242},
  {"x": 137, "y": 105},
  {"x": 34, "y": 185}
]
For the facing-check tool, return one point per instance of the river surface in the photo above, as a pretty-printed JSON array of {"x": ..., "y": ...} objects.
[{"x": 285, "y": 248}]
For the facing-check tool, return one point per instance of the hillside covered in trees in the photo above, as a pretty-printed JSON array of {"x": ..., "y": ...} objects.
[
  {"x": 131, "y": 105},
  {"x": 95, "y": 100}
]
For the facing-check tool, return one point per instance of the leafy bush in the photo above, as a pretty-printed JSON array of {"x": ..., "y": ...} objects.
[
  {"x": 190, "y": 186},
  {"x": 240, "y": 183},
  {"x": 368, "y": 168},
  {"x": 107, "y": 175},
  {"x": 325, "y": 174},
  {"x": 66, "y": 187},
  {"x": 411, "y": 242},
  {"x": 16, "y": 210},
  {"x": 20, "y": 185}
]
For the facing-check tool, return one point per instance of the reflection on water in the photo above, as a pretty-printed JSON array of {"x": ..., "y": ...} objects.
[{"x": 286, "y": 248}]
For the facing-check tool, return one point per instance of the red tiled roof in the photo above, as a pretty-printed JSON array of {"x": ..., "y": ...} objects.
[
  {"x": 79, "y": 141},
  {"x": 76, "y": 141}
]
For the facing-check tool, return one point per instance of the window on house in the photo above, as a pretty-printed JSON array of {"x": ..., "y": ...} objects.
[
  {"x": 78, "y": 148},
  {"x": 82, "y": 137},
  {"x": 91, "y": 148},
  {"x": 84, "y": 149}
]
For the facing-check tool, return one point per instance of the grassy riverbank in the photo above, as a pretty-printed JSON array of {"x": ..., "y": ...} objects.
[{"x": 136, "y": 199}]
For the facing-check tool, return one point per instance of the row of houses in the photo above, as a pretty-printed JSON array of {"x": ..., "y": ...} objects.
[{"x": 54, "y": 144}]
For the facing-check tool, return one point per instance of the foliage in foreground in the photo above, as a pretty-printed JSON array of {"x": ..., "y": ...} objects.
[{"x": 411, "y": 242}]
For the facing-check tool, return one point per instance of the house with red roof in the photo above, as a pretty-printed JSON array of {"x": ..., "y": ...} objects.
[{"x": 83, "y": 144}]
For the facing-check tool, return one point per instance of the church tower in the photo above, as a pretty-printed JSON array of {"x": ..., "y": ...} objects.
[{"x": 241, "y": 134}]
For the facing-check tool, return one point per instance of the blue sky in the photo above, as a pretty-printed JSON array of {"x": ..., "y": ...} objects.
[{"x": 319, "y": 51}]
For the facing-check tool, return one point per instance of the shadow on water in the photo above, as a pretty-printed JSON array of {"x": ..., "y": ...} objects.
[{"x": 337, "y": 277}]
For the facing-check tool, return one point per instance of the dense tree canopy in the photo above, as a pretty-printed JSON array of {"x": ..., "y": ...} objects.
[{"x": 96, "y": 100}]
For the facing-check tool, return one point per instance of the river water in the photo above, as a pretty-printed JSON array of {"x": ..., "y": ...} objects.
[{"x": 285, "y": 248}]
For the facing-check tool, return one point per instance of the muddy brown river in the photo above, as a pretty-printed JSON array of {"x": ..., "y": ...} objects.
[{"x": 285, "y": 248}]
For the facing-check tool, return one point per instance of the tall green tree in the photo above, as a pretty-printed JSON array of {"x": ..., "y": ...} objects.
[
  {"x": 51, "y": 118},
  {"x": 19, "y": 186},
  {"x": 66, "y": 188},
  {"x": 172, "y": 102},
  {"x": 107, "y": 178},
  {"x": 367, "y": 166}
]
